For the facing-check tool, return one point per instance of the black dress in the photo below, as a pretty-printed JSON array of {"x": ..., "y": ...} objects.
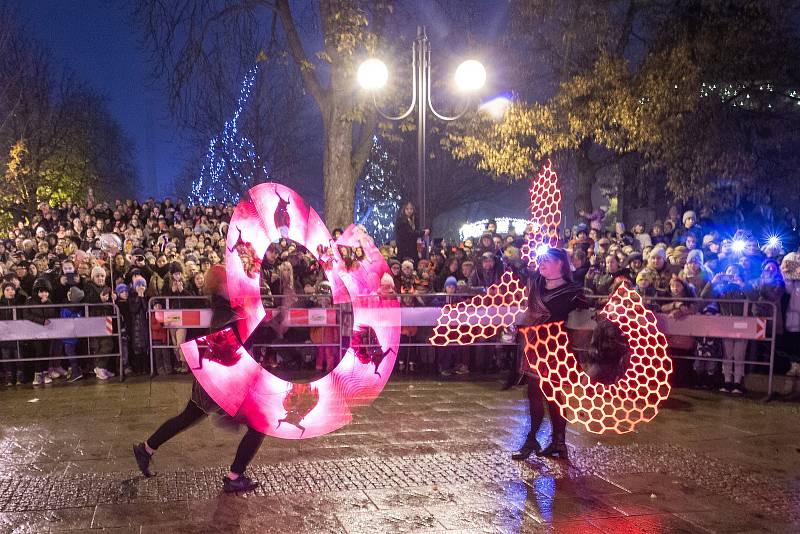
[{"x": 549, "y": 305}]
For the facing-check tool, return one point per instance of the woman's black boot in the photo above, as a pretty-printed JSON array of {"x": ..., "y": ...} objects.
[
  {"x": 529, "y": 447},
  {"x": 558, "y": 447}
]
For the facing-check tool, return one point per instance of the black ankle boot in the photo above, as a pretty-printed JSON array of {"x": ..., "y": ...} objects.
[
  {"x": 558, "y": 447},
  {"x": 529, "y": 447}
]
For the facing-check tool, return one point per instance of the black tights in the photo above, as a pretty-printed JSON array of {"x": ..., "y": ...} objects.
[
  {"x": 247, "y": 450},
  {"x": 536, "y": 405}
]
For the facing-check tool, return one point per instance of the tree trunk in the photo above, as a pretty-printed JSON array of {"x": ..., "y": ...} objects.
[
  {"x": 584, "y": 180},
  {"x": 340, "y": 182}
]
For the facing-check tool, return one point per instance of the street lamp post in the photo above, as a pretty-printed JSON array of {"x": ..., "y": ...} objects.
[{"x": 373, "y": 74}]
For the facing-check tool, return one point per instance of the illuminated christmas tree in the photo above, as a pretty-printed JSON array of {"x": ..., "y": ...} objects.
[
  {"x": 231, "y": 165},
  {"x": 377, "y": 196}
]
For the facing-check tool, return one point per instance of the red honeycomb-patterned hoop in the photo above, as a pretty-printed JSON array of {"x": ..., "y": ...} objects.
[
  {"x": 482, "y": 316},
  {"x": 619, "y": 407},
  {"x": 545, "y": 213}
]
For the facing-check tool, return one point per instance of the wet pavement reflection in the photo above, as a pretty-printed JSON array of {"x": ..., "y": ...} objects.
[{"x": 427, "y": 456}]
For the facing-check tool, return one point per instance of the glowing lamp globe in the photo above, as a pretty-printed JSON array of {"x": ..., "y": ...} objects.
[
  {"x": 470, "y": 75},
  {"x": 372, "y": 74}
]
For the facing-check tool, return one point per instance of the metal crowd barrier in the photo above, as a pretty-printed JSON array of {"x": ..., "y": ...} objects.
[
  {"x": 19, "y": 329},
  {"x": 750, "y": 327},
  {"x": 743, "y": 327}
]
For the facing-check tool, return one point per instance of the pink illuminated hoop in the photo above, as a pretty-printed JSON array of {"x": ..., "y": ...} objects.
[
  {"x": 230, "y": 375},
  {"x": 601, "y": 408}
]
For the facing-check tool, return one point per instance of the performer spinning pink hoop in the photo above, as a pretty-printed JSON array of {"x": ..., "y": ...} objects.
[{"x": 230, "y": 382}]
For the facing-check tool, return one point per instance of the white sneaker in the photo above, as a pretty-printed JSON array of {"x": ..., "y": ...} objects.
[
  {"x": 101, "y": 373},
  {"x": 37, "y": 379},
  {"x": 462, "y": 370},
  {"x": 794, "y": 370},
  {"x": 47, "y": 379},
  {"x": 52, "y": 373},
  {"x": 61, "y": 371}
]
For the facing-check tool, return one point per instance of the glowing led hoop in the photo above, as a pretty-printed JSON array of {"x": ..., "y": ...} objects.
[
  {"x": 634, "y": 398},
  {"x": 545, "y": 213},
  {"x": 230, "y": 375},
  {"x": 617, "y": 407},
  {"x": 484, "y": 315}
]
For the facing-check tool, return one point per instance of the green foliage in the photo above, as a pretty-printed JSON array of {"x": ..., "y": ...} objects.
[{"x": 652, "y": 100}]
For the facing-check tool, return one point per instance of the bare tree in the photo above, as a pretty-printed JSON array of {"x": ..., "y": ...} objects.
[{"x": 192, "y": 45}]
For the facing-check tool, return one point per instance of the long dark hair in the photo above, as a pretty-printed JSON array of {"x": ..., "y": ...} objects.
[
  {"x": 561, "y": 255},
  {"x": 401, "y": 214}
]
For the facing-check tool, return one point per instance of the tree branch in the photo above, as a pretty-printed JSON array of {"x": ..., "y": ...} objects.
[{"x": 301, "y": 58}]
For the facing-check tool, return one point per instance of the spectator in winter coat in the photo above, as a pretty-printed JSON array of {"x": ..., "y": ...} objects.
[
  {"x": 40, "y": 348},
  {"x": 790, "y": 268},
  {"x": 695, "y": 272},
  {"x": 138, "y": 331},
  {"x": 487, "y": 274},
  {"x": 406, "y": 232},
  {"x": 729, "y": 286},
  {"x": 97, "y": 292},
  {"x": 451, "y": 268},
  {"x": 8, "y": 349},
  {"x": 770, "y": 288}
]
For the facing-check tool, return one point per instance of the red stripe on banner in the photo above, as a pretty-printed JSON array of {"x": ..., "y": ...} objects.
[
  {"x": 298, "y": 317},
  {"x": 331, "y": 316},
  {"x": 191, "y": 318},
  {"x": 109, "y": 325}
]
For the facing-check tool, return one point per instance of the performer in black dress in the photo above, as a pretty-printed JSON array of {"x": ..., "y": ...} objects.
[
  {"x": 552, "y": 295},
  {"x": 222, "y": 346}
]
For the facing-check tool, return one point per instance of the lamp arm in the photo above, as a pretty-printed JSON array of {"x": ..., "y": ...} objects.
[
  {"x": 429, "y": 102},
  {"x": 407, "y": 112}
]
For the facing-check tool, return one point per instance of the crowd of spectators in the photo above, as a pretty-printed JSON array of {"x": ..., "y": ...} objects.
[{"x": 61, "y": 255}]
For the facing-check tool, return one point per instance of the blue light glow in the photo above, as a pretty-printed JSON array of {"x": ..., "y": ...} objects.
[
  {"x": 232, "y": 164},
  {"x": 377, "y": 198}
]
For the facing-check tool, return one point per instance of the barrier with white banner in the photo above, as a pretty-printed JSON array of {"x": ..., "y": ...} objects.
[
  {"x": 680, "y": 331},
  {"x": 23, "y": 330},
  {"x": 20, "y": 329},
  {"x": 721, "y": 326}
]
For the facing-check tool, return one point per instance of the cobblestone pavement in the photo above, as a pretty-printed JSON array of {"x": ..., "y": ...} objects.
[{"x": 427, "y": 456}]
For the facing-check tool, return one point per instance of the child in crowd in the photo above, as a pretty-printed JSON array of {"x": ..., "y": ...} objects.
[
  {"x": 40, "y": 348},
  {"x": 706, "y": 350},
  {"x": 121, "y": 293},
  {"x": 74, "y": 296}
]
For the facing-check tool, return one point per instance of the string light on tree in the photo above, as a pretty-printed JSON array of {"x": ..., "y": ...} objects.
[
  {"x": 231, "y": 164},
  {"x": 377, "y": 197}
]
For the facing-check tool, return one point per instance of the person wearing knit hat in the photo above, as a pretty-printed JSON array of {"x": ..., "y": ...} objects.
[
  {"x": 695, "y": 256},
  {"x": 74, "y": 295},
  {"x": 97, "y": 271},
  {"x": 689, "y": 227},
  {"x": 120, "y": 289},
  {"x": 450, "y": 282}
]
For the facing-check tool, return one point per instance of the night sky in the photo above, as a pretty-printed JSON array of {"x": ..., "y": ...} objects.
[{"x": 97, "y": 41}]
